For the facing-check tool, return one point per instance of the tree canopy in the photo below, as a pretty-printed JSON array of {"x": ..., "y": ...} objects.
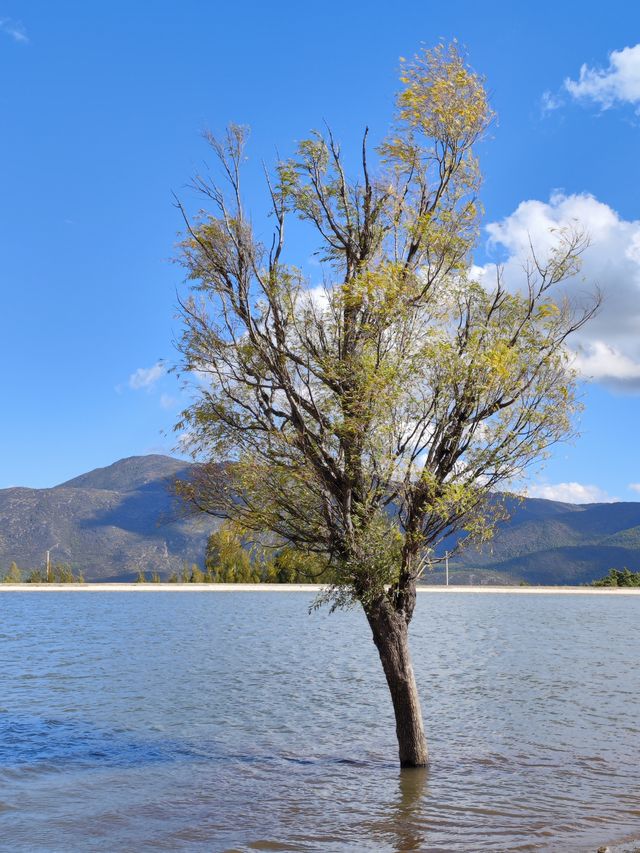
[{"x": 402, "y": 381}]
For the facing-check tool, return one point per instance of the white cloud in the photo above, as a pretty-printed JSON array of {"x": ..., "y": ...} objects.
[
  {"x": 618, "y": 83},
  {"x": 146, "y": 377},
  {"x": 318, "y": 297},
  {"x": 603, "y": 363},
  {"x": 608, "y": 348},
  {"x": 635, "y": 487},
  {"x": 14, "y": 29},
  {"x": 571, "y": 493}
]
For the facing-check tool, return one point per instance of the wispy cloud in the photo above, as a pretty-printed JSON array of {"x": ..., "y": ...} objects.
[
  {"x": 634, "y": 487},
  {"x": 146, "y": 377},
  {"x": 167, "y": 401},
  {"x": 551, "y": 101},
  {"x": 572, "y": 493},
  {"x": 14, "y": 29}
]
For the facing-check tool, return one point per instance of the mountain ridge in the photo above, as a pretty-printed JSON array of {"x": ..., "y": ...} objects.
[
  {"x": 115, "y": 521},
  {"x": 135, "y": 470}
]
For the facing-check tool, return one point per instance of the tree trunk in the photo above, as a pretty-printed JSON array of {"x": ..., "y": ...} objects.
[{"x": 391, "y": 636}]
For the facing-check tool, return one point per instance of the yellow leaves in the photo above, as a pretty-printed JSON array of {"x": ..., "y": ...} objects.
[
  {"x": 443, "y": 110},
  {"x": 501, "y": 360},
  {"x": 444, "y": 98},
  {"x": 548, "y": 309},
  {"x": 383, "y": 291}
]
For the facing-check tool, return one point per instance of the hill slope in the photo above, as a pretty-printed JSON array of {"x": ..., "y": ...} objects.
[
  {"x": 546, "y": 542},
  {"x": 115, "y": 521},
  {"x": 111, "y": 522}
]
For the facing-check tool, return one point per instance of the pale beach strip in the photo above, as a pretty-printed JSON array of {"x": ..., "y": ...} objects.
[{"x": 292, "y": 587}]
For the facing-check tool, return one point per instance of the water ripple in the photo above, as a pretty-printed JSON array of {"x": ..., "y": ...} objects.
[{"x": 238, "y": 723}]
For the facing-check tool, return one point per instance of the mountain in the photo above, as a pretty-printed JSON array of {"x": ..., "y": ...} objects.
[
  {"x": 548, "y": 542},
  {"x": 110, "y": 523},
  {"x": 115, "y": 521}
]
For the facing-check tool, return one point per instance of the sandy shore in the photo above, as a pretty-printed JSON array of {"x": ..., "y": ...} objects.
[{"x": 292, "y": 587}]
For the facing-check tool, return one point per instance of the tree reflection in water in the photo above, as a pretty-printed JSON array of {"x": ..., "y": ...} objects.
[{"x": 402, "y": 828}]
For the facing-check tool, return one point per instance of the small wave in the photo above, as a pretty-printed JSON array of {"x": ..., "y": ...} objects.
[{"x": 37, "y": 743}]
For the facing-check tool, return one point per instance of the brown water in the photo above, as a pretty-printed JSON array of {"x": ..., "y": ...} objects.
[{"x": 212, "y": 722}]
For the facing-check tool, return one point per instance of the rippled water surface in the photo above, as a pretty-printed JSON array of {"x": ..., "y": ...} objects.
[{"x": 238, "y": 722}]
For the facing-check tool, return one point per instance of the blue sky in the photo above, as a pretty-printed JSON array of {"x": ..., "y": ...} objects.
[{"x": 103, "y": 105}]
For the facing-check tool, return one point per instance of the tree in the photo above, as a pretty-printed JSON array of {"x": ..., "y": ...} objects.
[
  {"x": 62, "y": 573},
  {"x": 619, "y": 577},
  {"x": 13, "y": 575},
  {"x": 37, "y": 576},
  {"x": 226, "y": 561},
  {"x": 366, "y": 420},
  {"x": 292, "y": 566},
  {"x": 197, "y": 575}
]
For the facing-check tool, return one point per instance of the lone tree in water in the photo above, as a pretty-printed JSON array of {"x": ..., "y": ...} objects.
[{"x": 366, "y": 420}]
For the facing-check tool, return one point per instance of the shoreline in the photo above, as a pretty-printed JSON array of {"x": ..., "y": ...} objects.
[{"x": 269, "y": 587}]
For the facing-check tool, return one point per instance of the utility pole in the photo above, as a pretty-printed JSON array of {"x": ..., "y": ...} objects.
[
  {"x": 49, "y": 550},
  {"x": 446, "y": 566}
]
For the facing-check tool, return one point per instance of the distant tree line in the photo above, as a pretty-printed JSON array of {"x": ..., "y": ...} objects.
[
  {"x": 619, "y": 577},
  {"x": 228, "y": 561},
  {"x": 58, "y": 573}
]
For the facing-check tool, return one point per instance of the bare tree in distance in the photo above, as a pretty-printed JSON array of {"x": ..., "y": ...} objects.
[{"x": 366, "y": 421}]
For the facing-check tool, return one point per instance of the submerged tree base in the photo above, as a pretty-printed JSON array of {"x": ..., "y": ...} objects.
[{"x": 391, "y": 635}]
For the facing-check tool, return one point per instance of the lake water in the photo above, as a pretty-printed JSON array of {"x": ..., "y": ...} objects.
[{"x": 238, "y": 722}]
